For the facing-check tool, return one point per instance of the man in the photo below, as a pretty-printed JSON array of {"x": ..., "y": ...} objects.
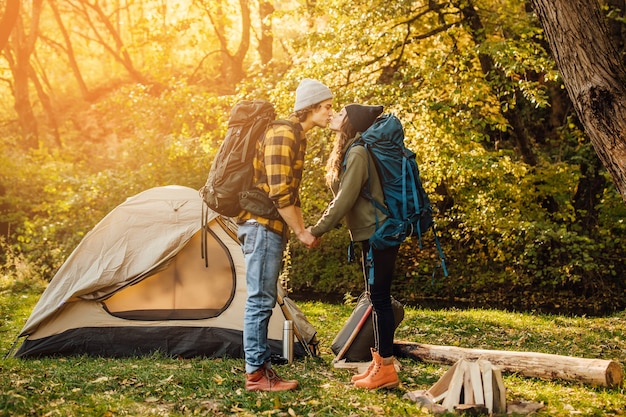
[{"x": 278, "y": 168}]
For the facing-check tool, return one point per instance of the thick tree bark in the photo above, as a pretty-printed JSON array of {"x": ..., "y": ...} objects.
[{"x": 593, "y": 74}]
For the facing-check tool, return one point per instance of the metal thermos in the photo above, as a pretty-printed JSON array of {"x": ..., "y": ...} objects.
[{"x": 288, "y": 341}]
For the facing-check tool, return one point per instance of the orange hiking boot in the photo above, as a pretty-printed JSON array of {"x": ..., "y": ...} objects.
[
  {"x": 265, "y": 379},
  {"x": 368, "y": 370},
  {"x": 382, "y": 375}
]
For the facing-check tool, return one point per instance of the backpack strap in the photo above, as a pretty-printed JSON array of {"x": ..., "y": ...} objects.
[
  {"x": 366, "y": 190},
  {"x": 416, "y": 203},
  {"x": 367, "y": 194},
  {"x": 369, "y": 264}
]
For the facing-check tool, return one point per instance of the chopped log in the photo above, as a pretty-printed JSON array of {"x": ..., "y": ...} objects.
[
  {"x": 499, "y": 393},
  {"x": 487, "y": 377},
  {"x": 453, "y": 397},
  {"x": 440, "y": 389},
  {"x": 495, "y": 394},
  {"x": 598, "y": 372},
  {"x": 475, "y": 383},
  {"x": 470, "y": 385}
]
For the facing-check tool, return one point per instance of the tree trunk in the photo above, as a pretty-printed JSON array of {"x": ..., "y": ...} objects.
[
  {"x": 589, "y": 193},
  {"x": 599, "y": 372},
  {"x": 22, "y": 47},
  {"x": 266, "y": 40},
  {"x": 231, "y": 69},
  {"x": 9, "y": 18},
  {"x": 23, "y": 106},
  {"x": 244, "y": 44},
  {"x": 593, "y": 75}
]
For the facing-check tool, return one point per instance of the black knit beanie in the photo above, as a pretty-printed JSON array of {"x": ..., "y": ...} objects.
[{"x": 361, "y": 117}]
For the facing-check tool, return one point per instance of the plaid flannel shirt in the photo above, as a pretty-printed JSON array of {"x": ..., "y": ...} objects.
[{"x": 278, "y": 168}]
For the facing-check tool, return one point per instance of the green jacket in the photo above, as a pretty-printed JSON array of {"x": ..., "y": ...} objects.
[{"x": 348, "y": 202}]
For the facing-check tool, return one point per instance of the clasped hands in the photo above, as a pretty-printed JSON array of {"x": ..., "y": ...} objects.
[{"x": 309, "y": 240}]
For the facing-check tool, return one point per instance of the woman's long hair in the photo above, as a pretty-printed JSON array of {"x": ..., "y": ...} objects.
[{"x": 333, "y": 166}]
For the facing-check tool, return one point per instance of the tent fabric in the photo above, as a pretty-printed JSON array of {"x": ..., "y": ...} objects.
[
  {"x": 134, "y": 239},
  {"x": 174, "y": 341},
  {"x": 137, "y": 283},
  {"x": 359, "y": 346}
]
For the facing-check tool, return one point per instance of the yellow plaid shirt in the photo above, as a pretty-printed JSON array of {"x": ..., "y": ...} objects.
[{"x": 278, "y": 167}]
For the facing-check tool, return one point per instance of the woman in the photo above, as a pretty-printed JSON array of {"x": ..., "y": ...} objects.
[{"x": 361, "y": 216}]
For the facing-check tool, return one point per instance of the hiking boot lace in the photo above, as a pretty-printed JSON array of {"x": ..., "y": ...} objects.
[{"x": 272, "y": 376}]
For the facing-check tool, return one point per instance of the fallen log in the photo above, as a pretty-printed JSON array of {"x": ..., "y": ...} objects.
[{"x": 599, "y": 372}]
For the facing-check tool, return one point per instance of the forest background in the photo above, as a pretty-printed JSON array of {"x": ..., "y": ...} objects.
[{"x": 100, "y": 100}]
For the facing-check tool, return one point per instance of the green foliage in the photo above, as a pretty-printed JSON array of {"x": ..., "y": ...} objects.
[
  {"x": 18, "y": 275},
  {"x": 54, "y": 198},
  {"x": 512, "y": 231}
]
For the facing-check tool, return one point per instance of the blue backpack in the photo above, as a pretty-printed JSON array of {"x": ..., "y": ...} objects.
[{"x": 407, "y": 206}]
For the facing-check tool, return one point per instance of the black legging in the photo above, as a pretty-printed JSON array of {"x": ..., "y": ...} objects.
[{"x": 380, "y": 293}]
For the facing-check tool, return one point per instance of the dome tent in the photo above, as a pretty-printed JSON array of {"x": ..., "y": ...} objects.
[{"x": 146, "y": 279}]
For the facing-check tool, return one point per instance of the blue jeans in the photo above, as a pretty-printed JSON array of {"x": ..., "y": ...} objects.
[{"x": 263, "y": 255}]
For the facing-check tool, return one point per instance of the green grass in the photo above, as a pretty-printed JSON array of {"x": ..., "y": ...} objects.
[{"x": 162, "y": 386}]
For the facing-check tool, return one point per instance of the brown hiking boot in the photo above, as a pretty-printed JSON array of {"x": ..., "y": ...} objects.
[
  {"x": 382, "y": 375},
  {"x": 371, "y": 366},
  {"x": 265, "y": 379}
]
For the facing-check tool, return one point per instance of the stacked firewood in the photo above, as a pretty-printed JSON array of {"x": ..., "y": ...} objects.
[{"x": 470, "y": 387}]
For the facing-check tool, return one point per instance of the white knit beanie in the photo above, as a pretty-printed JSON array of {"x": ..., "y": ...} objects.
[{"x": 311, "y": 92}]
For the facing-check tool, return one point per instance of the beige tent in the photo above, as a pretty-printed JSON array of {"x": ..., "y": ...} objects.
[{"x": 143, "y": 281}]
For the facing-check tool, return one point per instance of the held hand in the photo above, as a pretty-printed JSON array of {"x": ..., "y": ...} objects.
[
  {"x": 318, "y": 240},
  {"x": 307, "y": 238},
  {"x": 316, "y": 244}
]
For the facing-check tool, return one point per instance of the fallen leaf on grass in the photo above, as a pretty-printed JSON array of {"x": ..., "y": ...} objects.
[
  {"x": 376, "y": 409},
  {"x": 166, "y": 380}
]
